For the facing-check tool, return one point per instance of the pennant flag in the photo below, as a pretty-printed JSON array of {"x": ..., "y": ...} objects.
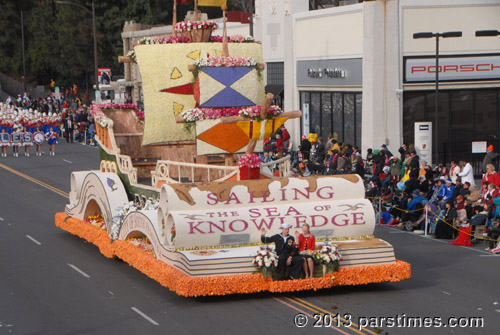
[
  {"x": 212, "y": 3},
  {"x": 246, "y": 17},
  {"x": 260, "y": 130},
  {"x": 182, "y": 2},
  {"x": 234, "y": 16},
  {"x": 239, "y": 16}
]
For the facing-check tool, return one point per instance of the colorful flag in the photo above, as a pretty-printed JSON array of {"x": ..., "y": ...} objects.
[
  {"x": 238, "y": 16},
  {"x": 214, "y": 3}
]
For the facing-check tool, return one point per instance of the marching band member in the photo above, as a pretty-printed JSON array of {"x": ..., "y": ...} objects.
[
  {"x": 38, "y": 138},
  {"x": 4, "y": 141},
  {"x": 15, "y": 139},
  {"x": 27, "y": 141},
  {"x": 52, "y": 138}
]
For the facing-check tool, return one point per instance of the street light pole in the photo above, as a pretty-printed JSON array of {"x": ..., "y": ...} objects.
[
  {"x": 92, "y": 12},
  {"x": 95, "y": 49},
  {"x": 436, "y": 101},
  {"x": 24, "y": 58}
]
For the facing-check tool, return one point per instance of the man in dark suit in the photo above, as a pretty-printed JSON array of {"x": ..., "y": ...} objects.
[
  {"x": 288, "y": 253},
  {"x": 68, "y": 129}
]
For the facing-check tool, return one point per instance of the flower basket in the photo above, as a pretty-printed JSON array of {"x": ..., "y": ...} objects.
[
  {"x": 247, "y": 173},
  {"x": 198, "y": 35}
]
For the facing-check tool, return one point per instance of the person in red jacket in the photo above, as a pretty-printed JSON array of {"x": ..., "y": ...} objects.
[
  {"x": 307, "y": 244},
  {"x": 491, "y": 176}
]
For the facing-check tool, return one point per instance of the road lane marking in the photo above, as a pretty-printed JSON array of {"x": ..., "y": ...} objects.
[
  {"x": 111, "y": 293},
  {"x": 78, "y": 270},
  {"x": 36, "y": 181},
  {"x": 306, "y": 313},
  {"x": 67, "y": 161},
  {"x": 1, "y": 219},
  {"x": 145, "y": 316},
  {"x": 447, "y": 293},
  {"x": 497, "y": 310},
  {"x": 34, "y": 240},
  {"x": 316, "y": 309}
]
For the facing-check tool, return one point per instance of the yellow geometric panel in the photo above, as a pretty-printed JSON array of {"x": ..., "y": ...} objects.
[
  {"x": 194, "y": 55},
  {"x": 176, "y": 74},
  {"x": 178, "y": 109}
]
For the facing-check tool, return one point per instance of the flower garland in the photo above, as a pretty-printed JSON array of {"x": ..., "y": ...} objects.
[
  {"x": 124, "y": 210},
  {"x": 194, "y": 25},
  {"x": 232, "y": 39},
  {"x": 96, "y": 110},
  {"x": 187, "y": 286},
  {"x": 254, "y": 112},
  {"x": 251, "y": 161},
  {"x": 164, "y": 40},
  {"x": 229, "y": 61},
  {"x": 198, "y": 114},
  {"x": 131, "y": 54}
]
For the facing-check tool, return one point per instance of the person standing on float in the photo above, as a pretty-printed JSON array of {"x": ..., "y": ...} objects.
[
  {"x": 38, "y": 138},
  {"x": 4, "y": 141},
  {"x": 52, "y": 138}
]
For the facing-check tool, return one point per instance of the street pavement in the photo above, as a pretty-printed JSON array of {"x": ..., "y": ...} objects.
[{"x": 52, "y": 282}]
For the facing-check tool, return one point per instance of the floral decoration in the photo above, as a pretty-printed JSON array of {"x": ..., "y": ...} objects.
[
  {"x": 87, "y": 231},
  {"x": 164, "y": 40},
  {"x": 254, "y": 112},
  {"x": 193, "y": 25},
  {"x": 124, "y": 210},
  {"x": 188, "y": 286},
  {"x": 229, "y": 61},
  {"x": 96, "y": 220},
  {"x": 328, "y": 256},
  {"x": 141, "y": 242},
  {"x": 250, "y": 160},
  {"x": 96, "y": 110},
  {"x": 265, "y": 258},
  {"x": 198, "y": 114},
  {"x": 132, "y": 56},
  {"x": 192, "y": 115},
  {"x": 232, "y": 39}
]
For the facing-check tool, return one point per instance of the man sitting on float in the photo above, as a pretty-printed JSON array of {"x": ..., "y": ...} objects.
[{"x": 288, "y": 253}]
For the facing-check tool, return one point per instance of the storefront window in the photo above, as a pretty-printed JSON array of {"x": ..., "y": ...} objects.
[
  {"x": 413, "y": 111},
  {"x": 486, "y": 111},
  {"x": 335, "y": 113},
  {"x": 315, "y": 110},
  {"x": 443, "y": 114},
  {"x": 326, "y": 115},
  {"x": 462, "y": 118},
  {"x": 349, "y": 118},
  {"x": 338, "y": 118},
  {"x": 359, "y": 104}
]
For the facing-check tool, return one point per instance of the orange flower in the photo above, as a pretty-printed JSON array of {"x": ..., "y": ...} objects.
[
  {"x": 87, "y": 231},
  {"x": 188, "y": 286}
]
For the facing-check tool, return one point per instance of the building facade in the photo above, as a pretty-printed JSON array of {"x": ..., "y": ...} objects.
[{"x": 357, "y": 72}]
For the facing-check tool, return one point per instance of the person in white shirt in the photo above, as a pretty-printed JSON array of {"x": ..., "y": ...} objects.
[
  {"x": 466, "y": 173},
  {"x": 454, "y": 170}
]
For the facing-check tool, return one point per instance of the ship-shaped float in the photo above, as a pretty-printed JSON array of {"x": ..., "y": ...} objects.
[{"x": 171, "y": 200}]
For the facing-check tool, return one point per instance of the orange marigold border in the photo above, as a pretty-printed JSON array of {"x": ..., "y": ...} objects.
[{"x": 188, "y": 286}]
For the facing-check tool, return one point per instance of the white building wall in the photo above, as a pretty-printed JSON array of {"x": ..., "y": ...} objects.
[{"x": 450, "y": 15}]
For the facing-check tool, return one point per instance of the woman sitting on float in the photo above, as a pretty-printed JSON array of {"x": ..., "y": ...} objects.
[{"x": 307, "y": 244}]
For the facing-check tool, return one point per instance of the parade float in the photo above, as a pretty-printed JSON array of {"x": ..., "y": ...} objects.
[{"x": 181, "y": 196}]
